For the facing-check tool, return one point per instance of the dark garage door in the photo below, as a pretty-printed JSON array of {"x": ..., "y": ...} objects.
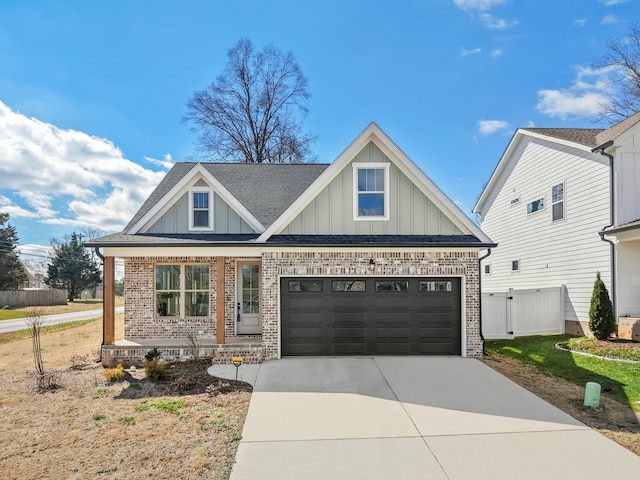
[{"x": 370, "y": 316}]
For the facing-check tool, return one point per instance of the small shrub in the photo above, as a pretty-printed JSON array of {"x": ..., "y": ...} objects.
[
  {"x": 100, "y": 392},
  {"x": 153, "y": 354},
  {"x": 142, "y": 407},
  {"x": 127, "y": 419},
  {"x": 601, "y": 321},
  {"x": 99, "y": 416},
  {"x": 156, "y": 371},
  {"x": 236, "y": 438},
  {"x": 78, "y": 362},
  {"x": 113, "y": 375}
]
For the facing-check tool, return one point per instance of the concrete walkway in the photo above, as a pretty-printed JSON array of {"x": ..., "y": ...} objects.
[{"x": 412, "y": 418}]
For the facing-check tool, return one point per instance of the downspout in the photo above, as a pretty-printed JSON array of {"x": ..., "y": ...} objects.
[
  {"x": 97, "y": 250},
  {"x": 603, "y": 232},
  {"x": 484, "y": 350}
]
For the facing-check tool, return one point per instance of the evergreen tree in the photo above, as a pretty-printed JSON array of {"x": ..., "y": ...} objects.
[
  {"x": 72, "y": 267},
  {"x": 12, "y": 272},
  {"x": 601, "y": 320}
]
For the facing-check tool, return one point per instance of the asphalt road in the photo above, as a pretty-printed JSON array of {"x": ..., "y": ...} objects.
[{"x": 19, "y": 324}]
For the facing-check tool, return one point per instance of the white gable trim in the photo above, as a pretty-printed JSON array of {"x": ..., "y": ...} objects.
[
  {"x": 506, "y": 157},
  {"x": 183, "y": 185},
  {"x": 373, "y": 133}
]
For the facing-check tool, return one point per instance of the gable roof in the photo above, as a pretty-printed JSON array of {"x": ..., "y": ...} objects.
[
  {"x": 373, "y": 133},
  {"x": 264, "y": 189},
  {"x": 588, "y": 139}
]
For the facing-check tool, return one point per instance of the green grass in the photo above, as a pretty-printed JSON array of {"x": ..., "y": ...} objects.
[
  {"x": 622, "y": 378},
  {"x": 22, "y": 334},
  {"x": 7, "y": 314}
]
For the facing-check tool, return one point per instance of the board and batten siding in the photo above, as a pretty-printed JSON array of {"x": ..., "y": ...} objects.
[
  {"x": 627, "y": 175},
  {"x": 550, "y": 254},
  {"x": 331, "y": 212},
  {"x": 176, "y": 218},
  {"x": 629, "y": 279}
]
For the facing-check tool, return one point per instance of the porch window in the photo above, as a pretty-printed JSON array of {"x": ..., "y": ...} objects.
[
  {"x": 182, "y": 290},
  {"x": 371, "y": 191}
]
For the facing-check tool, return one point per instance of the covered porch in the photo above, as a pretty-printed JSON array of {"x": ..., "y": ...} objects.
[{"x": 218, "y": 341}]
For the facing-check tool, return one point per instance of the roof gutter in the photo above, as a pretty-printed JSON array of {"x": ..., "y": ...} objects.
[
  {"x": 484, "y": 350},
  {"x": 603, "y": 232}
]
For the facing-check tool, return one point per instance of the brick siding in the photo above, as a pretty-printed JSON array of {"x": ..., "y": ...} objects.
[{"x": 141, "y": 322}]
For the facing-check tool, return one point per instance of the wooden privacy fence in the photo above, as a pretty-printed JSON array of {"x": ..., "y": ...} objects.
[
  {"x": 517, "y": 313},
  {"x": 30, "y": 298}
]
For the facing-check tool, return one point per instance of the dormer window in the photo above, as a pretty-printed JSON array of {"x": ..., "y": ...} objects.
[
  {"x": 371, "y": 191},
  {"x": 200, "y": 209}
]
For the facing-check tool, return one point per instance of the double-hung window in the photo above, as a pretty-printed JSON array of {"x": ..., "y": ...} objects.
[
  {"x": 371, "y": 191},
  {"x": 557, "y": 202},
  {"x": 200, "y": 209},
  {"x": 182, "y": 290}
]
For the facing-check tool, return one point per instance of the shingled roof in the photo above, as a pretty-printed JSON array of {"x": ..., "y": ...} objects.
[
  {"x": 583, "y": 136},
  {"x": 265, "y": 189}
]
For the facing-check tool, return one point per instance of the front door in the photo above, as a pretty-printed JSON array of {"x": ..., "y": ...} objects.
[{"x": 248, "y": 304}]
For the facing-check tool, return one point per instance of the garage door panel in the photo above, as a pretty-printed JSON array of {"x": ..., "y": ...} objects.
[{"x": 403, "y": 318}]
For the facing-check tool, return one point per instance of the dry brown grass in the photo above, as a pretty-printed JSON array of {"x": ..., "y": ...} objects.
[{"x": 62, "y": 433}]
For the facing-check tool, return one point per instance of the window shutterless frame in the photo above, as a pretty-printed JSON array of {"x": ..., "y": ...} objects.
[
  {"x": 370, "y": 191},
  {"x": 200, "y": 209}
]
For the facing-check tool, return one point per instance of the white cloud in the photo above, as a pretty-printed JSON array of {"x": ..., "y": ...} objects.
[
  {"x": 608, "y": 3},
  {"x": 47, "y": 165},
  {"x": 579, "y": 22},
  {"x": 609, "y": 20},
  {"x": 582, "y": 99},
  {"x": 466, "y": 53},
  {"x": 496, "y": 53},
  {"x": 166, "y": 162},
  {"x": 488, "y": 127},
  {"x": 480, "y": 5},
  {"x": 494, "y": 23}
]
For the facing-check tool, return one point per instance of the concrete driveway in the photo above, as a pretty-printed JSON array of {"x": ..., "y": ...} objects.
[{"x": 413, "y": 418}]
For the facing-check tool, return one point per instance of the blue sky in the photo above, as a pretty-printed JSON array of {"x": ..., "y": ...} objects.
[{"x": 92, "y": 92}]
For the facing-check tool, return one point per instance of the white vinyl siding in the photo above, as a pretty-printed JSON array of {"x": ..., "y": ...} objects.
[
  {"x": 551, "y": 254},
  {"x": 627, "y": 185}
]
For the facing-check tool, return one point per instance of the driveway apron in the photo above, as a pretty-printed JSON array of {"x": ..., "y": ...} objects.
[{"x": 436, "y": 418}]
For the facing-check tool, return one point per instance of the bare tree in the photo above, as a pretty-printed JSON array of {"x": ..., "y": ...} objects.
[
  {"x": 623, "y": 62},
  {"x": 35, "y": 320},
  {"x": 253, "y": 111}
]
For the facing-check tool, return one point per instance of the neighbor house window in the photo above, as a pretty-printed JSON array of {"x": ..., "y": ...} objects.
[
  {"x": 515, "y": 265},
  {"x": 535, "y": 206},
  {"x": 371, "y": 191},
  {"x": 182, "y": 290},
  {"x": 557, "y": 202},
  {"x": 200, "y": 209},
  {"x": 487, "y": 269}
]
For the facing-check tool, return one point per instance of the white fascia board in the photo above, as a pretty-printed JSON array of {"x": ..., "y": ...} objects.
[
  {"x": 167, "y": 201},
  {"x": 506, "y": 158},
  {"x": 320, "y": 183}
]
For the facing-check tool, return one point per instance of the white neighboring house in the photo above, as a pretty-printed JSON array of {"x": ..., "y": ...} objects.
[{"x": 548, "y": 205}]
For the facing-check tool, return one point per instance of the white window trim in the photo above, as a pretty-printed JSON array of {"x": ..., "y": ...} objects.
[
  {"x": 371, "y": 165},
  {"x": 519, "y": 265},
  {"x": 563, "y": 201},
  {"x": 193, "y": 190},
  {"x": 183, "y": 292},
  {"x": 544, "y": 205}
]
